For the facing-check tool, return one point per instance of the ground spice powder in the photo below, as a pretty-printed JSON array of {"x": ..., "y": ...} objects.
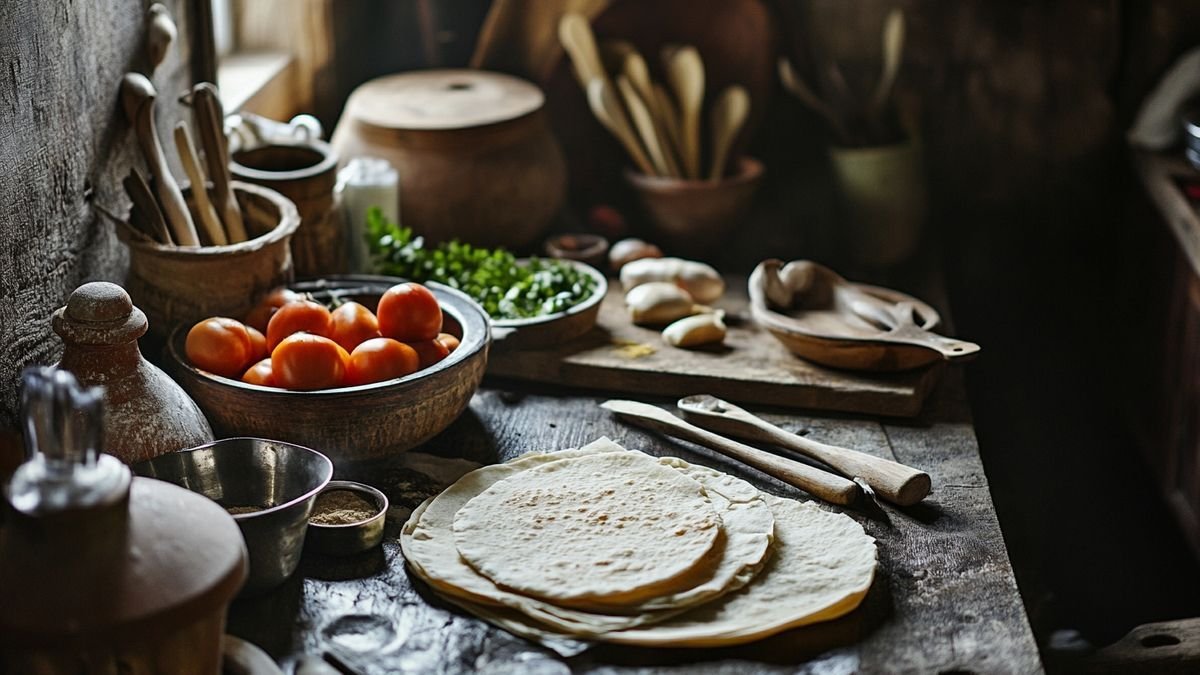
[{"x": 341, "y": 507}]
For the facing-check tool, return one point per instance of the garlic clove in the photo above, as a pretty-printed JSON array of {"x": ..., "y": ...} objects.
[
  {"x": 695, "y": 331},
  {"x": 701, "y": 280},
  {"x": 659, "y": 302}
]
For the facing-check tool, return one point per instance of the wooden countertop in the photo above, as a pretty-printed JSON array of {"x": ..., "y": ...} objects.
[{"x": 944, "y": 598}]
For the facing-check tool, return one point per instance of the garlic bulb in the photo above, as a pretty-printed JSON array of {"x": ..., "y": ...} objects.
[
  {"x": 659, "y": 302},
  {"x": 700, "y": 280},
  {"x": 694, "y": 331}
]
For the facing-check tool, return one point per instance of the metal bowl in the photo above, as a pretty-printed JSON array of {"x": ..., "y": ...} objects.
[
  {"x": 252, "y": 472},
  {"x": 353, "y": 537}
]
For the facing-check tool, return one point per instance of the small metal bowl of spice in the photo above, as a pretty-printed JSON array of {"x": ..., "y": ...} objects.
[{"x": 347, "y": 518}]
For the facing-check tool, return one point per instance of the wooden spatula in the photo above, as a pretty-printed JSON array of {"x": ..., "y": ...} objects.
[
  {"x": 893, "y": 481},
  {"x": 820, "y": 484}
]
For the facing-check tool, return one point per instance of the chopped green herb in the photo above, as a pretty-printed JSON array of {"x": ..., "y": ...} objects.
[{"x": 505, "y": 288}]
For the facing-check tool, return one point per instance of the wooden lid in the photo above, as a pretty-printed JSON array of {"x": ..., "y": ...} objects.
[{"x": 429, "y": 100}]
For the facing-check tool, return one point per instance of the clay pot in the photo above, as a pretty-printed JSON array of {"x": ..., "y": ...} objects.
[
  {"x": 305, "y": 173},
  {"x": 476, "y": 159},
  {"x": 695, "y": 217},
  {"x": 884, "y": 198},
  {"x": 138, "y": 584},
  {"x": 148, "y": 414},
  {"x": 175, "y": 284}
]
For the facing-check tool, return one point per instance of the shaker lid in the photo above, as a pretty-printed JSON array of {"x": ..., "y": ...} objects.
[
  {"x": 443, "y": 100},
  {"x": 99, "y": 313}
]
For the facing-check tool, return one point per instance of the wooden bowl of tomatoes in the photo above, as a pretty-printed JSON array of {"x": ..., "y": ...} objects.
[{"x": 343, "y": 365}]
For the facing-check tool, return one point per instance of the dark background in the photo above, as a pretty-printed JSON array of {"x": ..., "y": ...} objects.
[{"x": 1051, "y": 256}]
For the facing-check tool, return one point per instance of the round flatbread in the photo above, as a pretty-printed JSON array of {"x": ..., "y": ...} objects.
[
  {"x": 605, "y": 530},
  {"x": 428, "y": 546},
  {"x": 821, "y": 569}
]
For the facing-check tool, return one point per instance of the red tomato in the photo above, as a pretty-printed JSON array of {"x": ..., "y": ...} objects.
[
  {"x": 261, "y": 314},
  {"x": 260, "y": 373},
  {"x": 409, "y": 313},
  {"x": 298, "y": 316},
  {"x": 219, "y": 345},
  {"x": 380, "y": 359},
  {"x": 448, "y": 340},
  {"x": 353, "y": 324},
  {"x": 305, "y": 361},
  {"x": 430, "y": 351},
  {"x": 258, "y": 345}
]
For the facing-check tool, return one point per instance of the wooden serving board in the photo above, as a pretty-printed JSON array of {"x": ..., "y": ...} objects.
[{"x": 752, "y": 367}]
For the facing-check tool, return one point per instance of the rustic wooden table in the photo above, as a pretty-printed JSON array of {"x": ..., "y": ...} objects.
[{"x": 944, "y": 599}]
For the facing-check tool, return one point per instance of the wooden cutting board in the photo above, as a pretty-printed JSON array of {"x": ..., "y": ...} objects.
[{"x": 752, "y": 367}]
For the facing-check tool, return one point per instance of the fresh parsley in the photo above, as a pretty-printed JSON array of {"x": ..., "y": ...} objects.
[{"x": 505, "y": 288}]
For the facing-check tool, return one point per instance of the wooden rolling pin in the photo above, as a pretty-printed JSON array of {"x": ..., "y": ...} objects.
[
  {"x": 818, "y": 483},
  {"x": 893, "y": 481}
]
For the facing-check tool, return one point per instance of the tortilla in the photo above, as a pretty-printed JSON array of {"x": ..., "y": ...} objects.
[
  {"x": 595, "y": 531},
  {"x": 429, "y": 548},
  {"x": 822, "y": 567}
]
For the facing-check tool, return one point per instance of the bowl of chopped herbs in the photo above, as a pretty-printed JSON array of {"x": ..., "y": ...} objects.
[{"x": 532, "y": 302}]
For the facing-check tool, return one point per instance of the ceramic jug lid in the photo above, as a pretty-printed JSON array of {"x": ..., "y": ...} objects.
[
  {"x": 99, "y": 313},
  {"x": 443, "y": 99}
]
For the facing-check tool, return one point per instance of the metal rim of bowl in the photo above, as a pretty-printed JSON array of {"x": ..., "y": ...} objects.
[
  {"x": 379, "y": 499},
  {"x": 584, "y": 305},
  {"x": 468, "y": 347},
  {"x": 278, "y": 507}
]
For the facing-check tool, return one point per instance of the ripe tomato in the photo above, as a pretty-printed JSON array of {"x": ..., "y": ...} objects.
[
  {"x": 219, "y": 345},
  {"x": 296, "y": 316},
  {"x": 258, "y": 317},
  {"x": 430, "y": 351},
  {"x": 448, "y": 340},
  {"x": 409, "y": 313},
  {"x": 380, "y": 359},
  {"x": 258, "y": 344},
  {"x": 260, "y": 373},
  {"x": 305, "y": 361},
  {"x": 353, "y": 324}
]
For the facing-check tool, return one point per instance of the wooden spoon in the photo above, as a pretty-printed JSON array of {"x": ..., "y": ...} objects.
[
  {"x": 147, "y": 209},
  {"x": 820, "y": 484},
  {"x": 893, "y": 48},
  {"x": 210, "y": 120},
  {"x": 137, "y": 98},
  {"x": 669, "y": 117},
  {"x": 634, "y": 67},
  {"x": 795, "y": 84},
  {"x": 893, "y": 481},
  {"x": 208, "y": 217},
  {"x": 575, "y": 34},
  {"x": 685, "y": 74},
  {"x": 160, "y": 33},
  {"x": 644, "y": 124},
  {"x": 728, "y": 115},
  {"x": 607, "y": 109},
  {"x": 815, "y": 288}
]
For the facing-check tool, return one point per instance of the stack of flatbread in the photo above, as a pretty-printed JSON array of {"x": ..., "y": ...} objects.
[{"x": 608, "y": 544}]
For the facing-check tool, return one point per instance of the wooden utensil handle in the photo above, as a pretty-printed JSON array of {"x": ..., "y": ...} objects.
[
  {"x": 818, "y": 483},
  {"x": 892, "y": 481},
  {"x": 174, "y": 208}
]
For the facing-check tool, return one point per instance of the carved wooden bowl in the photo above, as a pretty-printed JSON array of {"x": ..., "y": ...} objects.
[{"x": 351, "y": 424}]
